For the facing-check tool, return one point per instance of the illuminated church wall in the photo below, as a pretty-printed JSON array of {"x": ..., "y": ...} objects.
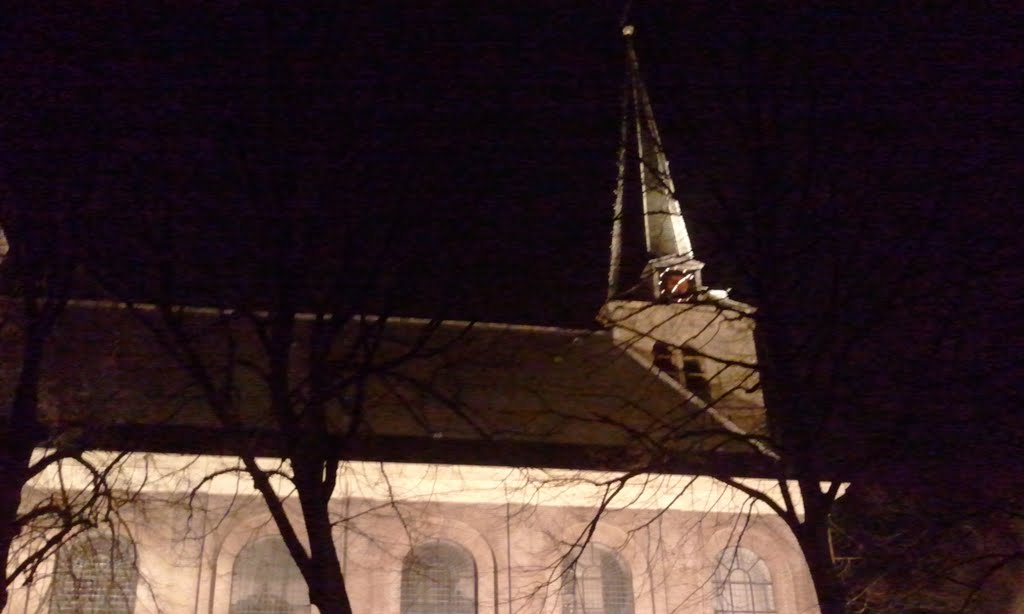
[
  {"x": 452, "y": 539},
  {"x": 449, "y": 539}
]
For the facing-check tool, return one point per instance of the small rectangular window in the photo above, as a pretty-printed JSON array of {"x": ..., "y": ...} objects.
[{"x": 693, "y": 375}]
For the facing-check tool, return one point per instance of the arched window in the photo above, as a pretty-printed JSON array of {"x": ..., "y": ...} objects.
[
  {"x": 743, "y": 584},
  {"x": 438, "y": 578},
  {"x": 266, "y": 580},
  {"x": 598, "y": 582},
  {"x": 95, "y": 574}
]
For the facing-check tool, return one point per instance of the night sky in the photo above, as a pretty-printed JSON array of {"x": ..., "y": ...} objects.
[
  {"x": 471, "y": 151},
  {"x": 852, "y": 173}
]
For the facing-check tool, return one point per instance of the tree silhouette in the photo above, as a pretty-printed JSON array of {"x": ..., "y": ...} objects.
[{"x": 838, "y": 212}]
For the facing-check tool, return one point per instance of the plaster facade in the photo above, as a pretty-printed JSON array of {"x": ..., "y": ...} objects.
[{"x": 519, "y": 527}]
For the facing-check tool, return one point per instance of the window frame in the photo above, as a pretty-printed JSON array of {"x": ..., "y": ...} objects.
[
  {"x": 276, "y": 601},
  {"x": 467, "y": 570},
  {"x": 119, "y": 565},
  {"x": 741, "y": 570},
  {"x": 596, "y": 560}
]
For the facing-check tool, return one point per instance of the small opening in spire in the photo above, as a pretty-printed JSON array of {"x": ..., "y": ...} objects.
[{"x": 676, "y": 286}]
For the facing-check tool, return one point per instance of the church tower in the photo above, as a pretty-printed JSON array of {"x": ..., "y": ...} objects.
[
  {"x": 651, "y": 254},
  {"x": 658, "y": 308}
]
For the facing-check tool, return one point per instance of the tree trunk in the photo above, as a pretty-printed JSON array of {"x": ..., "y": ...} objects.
[
  {"x": 795, "y": 425},
  {"x": 13, "y": 465},
  {"x": 18, "y": 439},
  {"x": 327, "y": 590},
  {"x": 324, "y": 577},
  {"x": 813, "y": 537},
  {"x": 827, "y": 585}
]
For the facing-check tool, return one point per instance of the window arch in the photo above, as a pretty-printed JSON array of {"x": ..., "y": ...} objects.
[
  {"x": 439, "y": 578},
  {"x": 95, "y": 574},
  {"x": 596, "y": 581},
  {"x": 743, "y": 584},
  {"x": 266, "y": 580}
]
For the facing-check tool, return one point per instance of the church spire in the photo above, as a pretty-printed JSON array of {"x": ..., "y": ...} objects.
[{"x": 665, "y": 269}]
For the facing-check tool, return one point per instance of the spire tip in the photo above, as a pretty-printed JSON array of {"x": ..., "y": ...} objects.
[{"x": 627, "y": 30}]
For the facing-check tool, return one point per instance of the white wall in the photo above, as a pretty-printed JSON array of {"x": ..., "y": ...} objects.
[{"x": 516, "y": 524}]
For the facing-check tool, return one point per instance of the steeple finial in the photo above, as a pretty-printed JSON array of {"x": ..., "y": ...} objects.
[{"x": 669, "y": 270}]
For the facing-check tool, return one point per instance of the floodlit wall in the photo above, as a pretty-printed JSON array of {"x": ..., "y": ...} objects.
[
  {"x": 721, "y": 337},
  {"x": 517, "y": 525},
  {"x": 722, "y": 333}
]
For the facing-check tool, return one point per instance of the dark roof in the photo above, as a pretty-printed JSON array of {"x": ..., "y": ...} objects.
[{"x": 448, "y": 392}]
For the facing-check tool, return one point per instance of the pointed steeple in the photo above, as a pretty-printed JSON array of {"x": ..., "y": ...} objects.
[{"x": 651, "y": 254}]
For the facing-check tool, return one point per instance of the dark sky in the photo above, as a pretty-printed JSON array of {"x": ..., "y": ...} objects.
[
  {"x": 483, "y": 139},
  {"x": 853, "y": 173}
]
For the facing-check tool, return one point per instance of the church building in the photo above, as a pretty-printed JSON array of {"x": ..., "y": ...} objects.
[{"x": 510, "y": 470}]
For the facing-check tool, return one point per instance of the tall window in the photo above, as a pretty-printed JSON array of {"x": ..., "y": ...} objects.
[
  {"x": 95, "y": 574},
  {"x": 597, "y": 583},
  {"x": 438, "y": 578},
  {"x": 683, "y": 365},
  {"x": 694, "y": 378},
  {"x": 266, "y": 580},
  {"x": 743, "y": 584}
]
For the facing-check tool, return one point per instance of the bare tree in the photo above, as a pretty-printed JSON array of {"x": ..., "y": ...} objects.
[
  {"x": 287, "y": 358},
  {"x": 59, "y": 135},
  {"x": 37, "y": 266},
  {"x": 40, "y": 220},
  {"x": 299, "y": 384},
  {"x": 935, "y": 546},
  {"x": 271, "y": 201},
  {"x": 789, "y": 175}
]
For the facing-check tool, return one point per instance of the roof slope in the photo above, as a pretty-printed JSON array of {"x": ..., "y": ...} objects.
[{"x": 450, "y": 392}]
